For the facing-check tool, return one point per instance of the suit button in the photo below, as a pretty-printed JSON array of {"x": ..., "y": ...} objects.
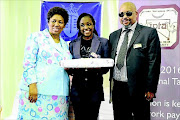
[{"x": 86, "y": 79}]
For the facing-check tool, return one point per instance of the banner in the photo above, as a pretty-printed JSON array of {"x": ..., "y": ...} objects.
[
  {"x": 166, "y": 20},
  {"x": 74, "y": 9},
  {"x": 165, "y": 17}
]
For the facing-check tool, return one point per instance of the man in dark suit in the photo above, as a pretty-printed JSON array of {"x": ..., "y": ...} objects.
[{"x": 137, "y": 55}]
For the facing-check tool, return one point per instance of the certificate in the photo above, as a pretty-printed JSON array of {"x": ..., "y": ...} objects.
[{"x": 87, "y": 63}]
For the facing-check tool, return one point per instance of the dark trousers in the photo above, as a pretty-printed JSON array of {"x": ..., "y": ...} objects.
[
  {"x": 128, "y": 107},
  {"x": 86, "y": 110}
]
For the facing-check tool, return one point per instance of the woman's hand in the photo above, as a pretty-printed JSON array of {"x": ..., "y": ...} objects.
[{"x": 33, "y": 92}]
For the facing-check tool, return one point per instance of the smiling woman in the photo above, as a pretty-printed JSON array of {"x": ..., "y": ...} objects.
[
  {"x": 56, "y": 25},
  {"x": 45, "y": 85},
  {"x": 86, "y": 90},
  {"x": 86, "y": 27}
]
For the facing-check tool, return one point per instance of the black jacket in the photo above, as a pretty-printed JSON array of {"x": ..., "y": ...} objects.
[{"x": 87, "y": 84}]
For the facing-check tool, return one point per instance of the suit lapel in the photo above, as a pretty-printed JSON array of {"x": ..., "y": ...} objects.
[
  {"x": 95, "y": 44},
  {"x": 51, "y": 41},
  {"x": 77, "y": 45},
  {"x": 57, "y": 47},
  {"x": 76, "y": 48},
  {"x": 135, "y": 35},
  {"x": 115, "y": 42}
]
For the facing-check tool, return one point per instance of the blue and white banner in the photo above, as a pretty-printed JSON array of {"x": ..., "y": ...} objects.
[{"x": 74, "y": 9}]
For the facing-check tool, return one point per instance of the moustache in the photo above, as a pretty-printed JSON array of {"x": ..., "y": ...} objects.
[{"x": 125, "y": 19}]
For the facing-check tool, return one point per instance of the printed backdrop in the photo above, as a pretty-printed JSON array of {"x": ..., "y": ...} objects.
[
  {"x": 74, "y": 9},
  {"x": 165, "y": 17}
]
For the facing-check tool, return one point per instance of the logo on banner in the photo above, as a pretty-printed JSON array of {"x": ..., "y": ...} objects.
[
  {"x": 74, "y": 9},
  {"x": 70, "y": 31},
  {"x": 166, "y": 21}
]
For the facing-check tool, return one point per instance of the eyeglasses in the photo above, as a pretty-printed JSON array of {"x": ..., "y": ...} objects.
[{"x": 128, "y": 13}]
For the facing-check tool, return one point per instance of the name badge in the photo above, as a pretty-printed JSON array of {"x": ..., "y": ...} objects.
[{"x": 139, "y": 45}]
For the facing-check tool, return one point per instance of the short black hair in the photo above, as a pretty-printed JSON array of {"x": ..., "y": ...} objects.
[
  {"x": 79, "y": 19},
  {"x": 59, "y": 11}
]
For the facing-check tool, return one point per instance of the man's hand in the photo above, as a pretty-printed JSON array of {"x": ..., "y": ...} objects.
[
  {"x": 33, "y": 92},
  {"x": 149, "y": 96}
]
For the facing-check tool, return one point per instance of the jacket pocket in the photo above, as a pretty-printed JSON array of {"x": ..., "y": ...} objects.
[{"x": 140, "y": 51}]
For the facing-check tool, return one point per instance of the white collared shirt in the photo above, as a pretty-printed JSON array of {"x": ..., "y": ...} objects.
[{"x": 121, "y": 75}]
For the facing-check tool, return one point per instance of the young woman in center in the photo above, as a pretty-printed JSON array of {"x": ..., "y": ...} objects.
[{"x": 87, "y": 83}]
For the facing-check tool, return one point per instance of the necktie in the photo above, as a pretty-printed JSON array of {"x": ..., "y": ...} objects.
[{"x": 123, "y": 51}]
